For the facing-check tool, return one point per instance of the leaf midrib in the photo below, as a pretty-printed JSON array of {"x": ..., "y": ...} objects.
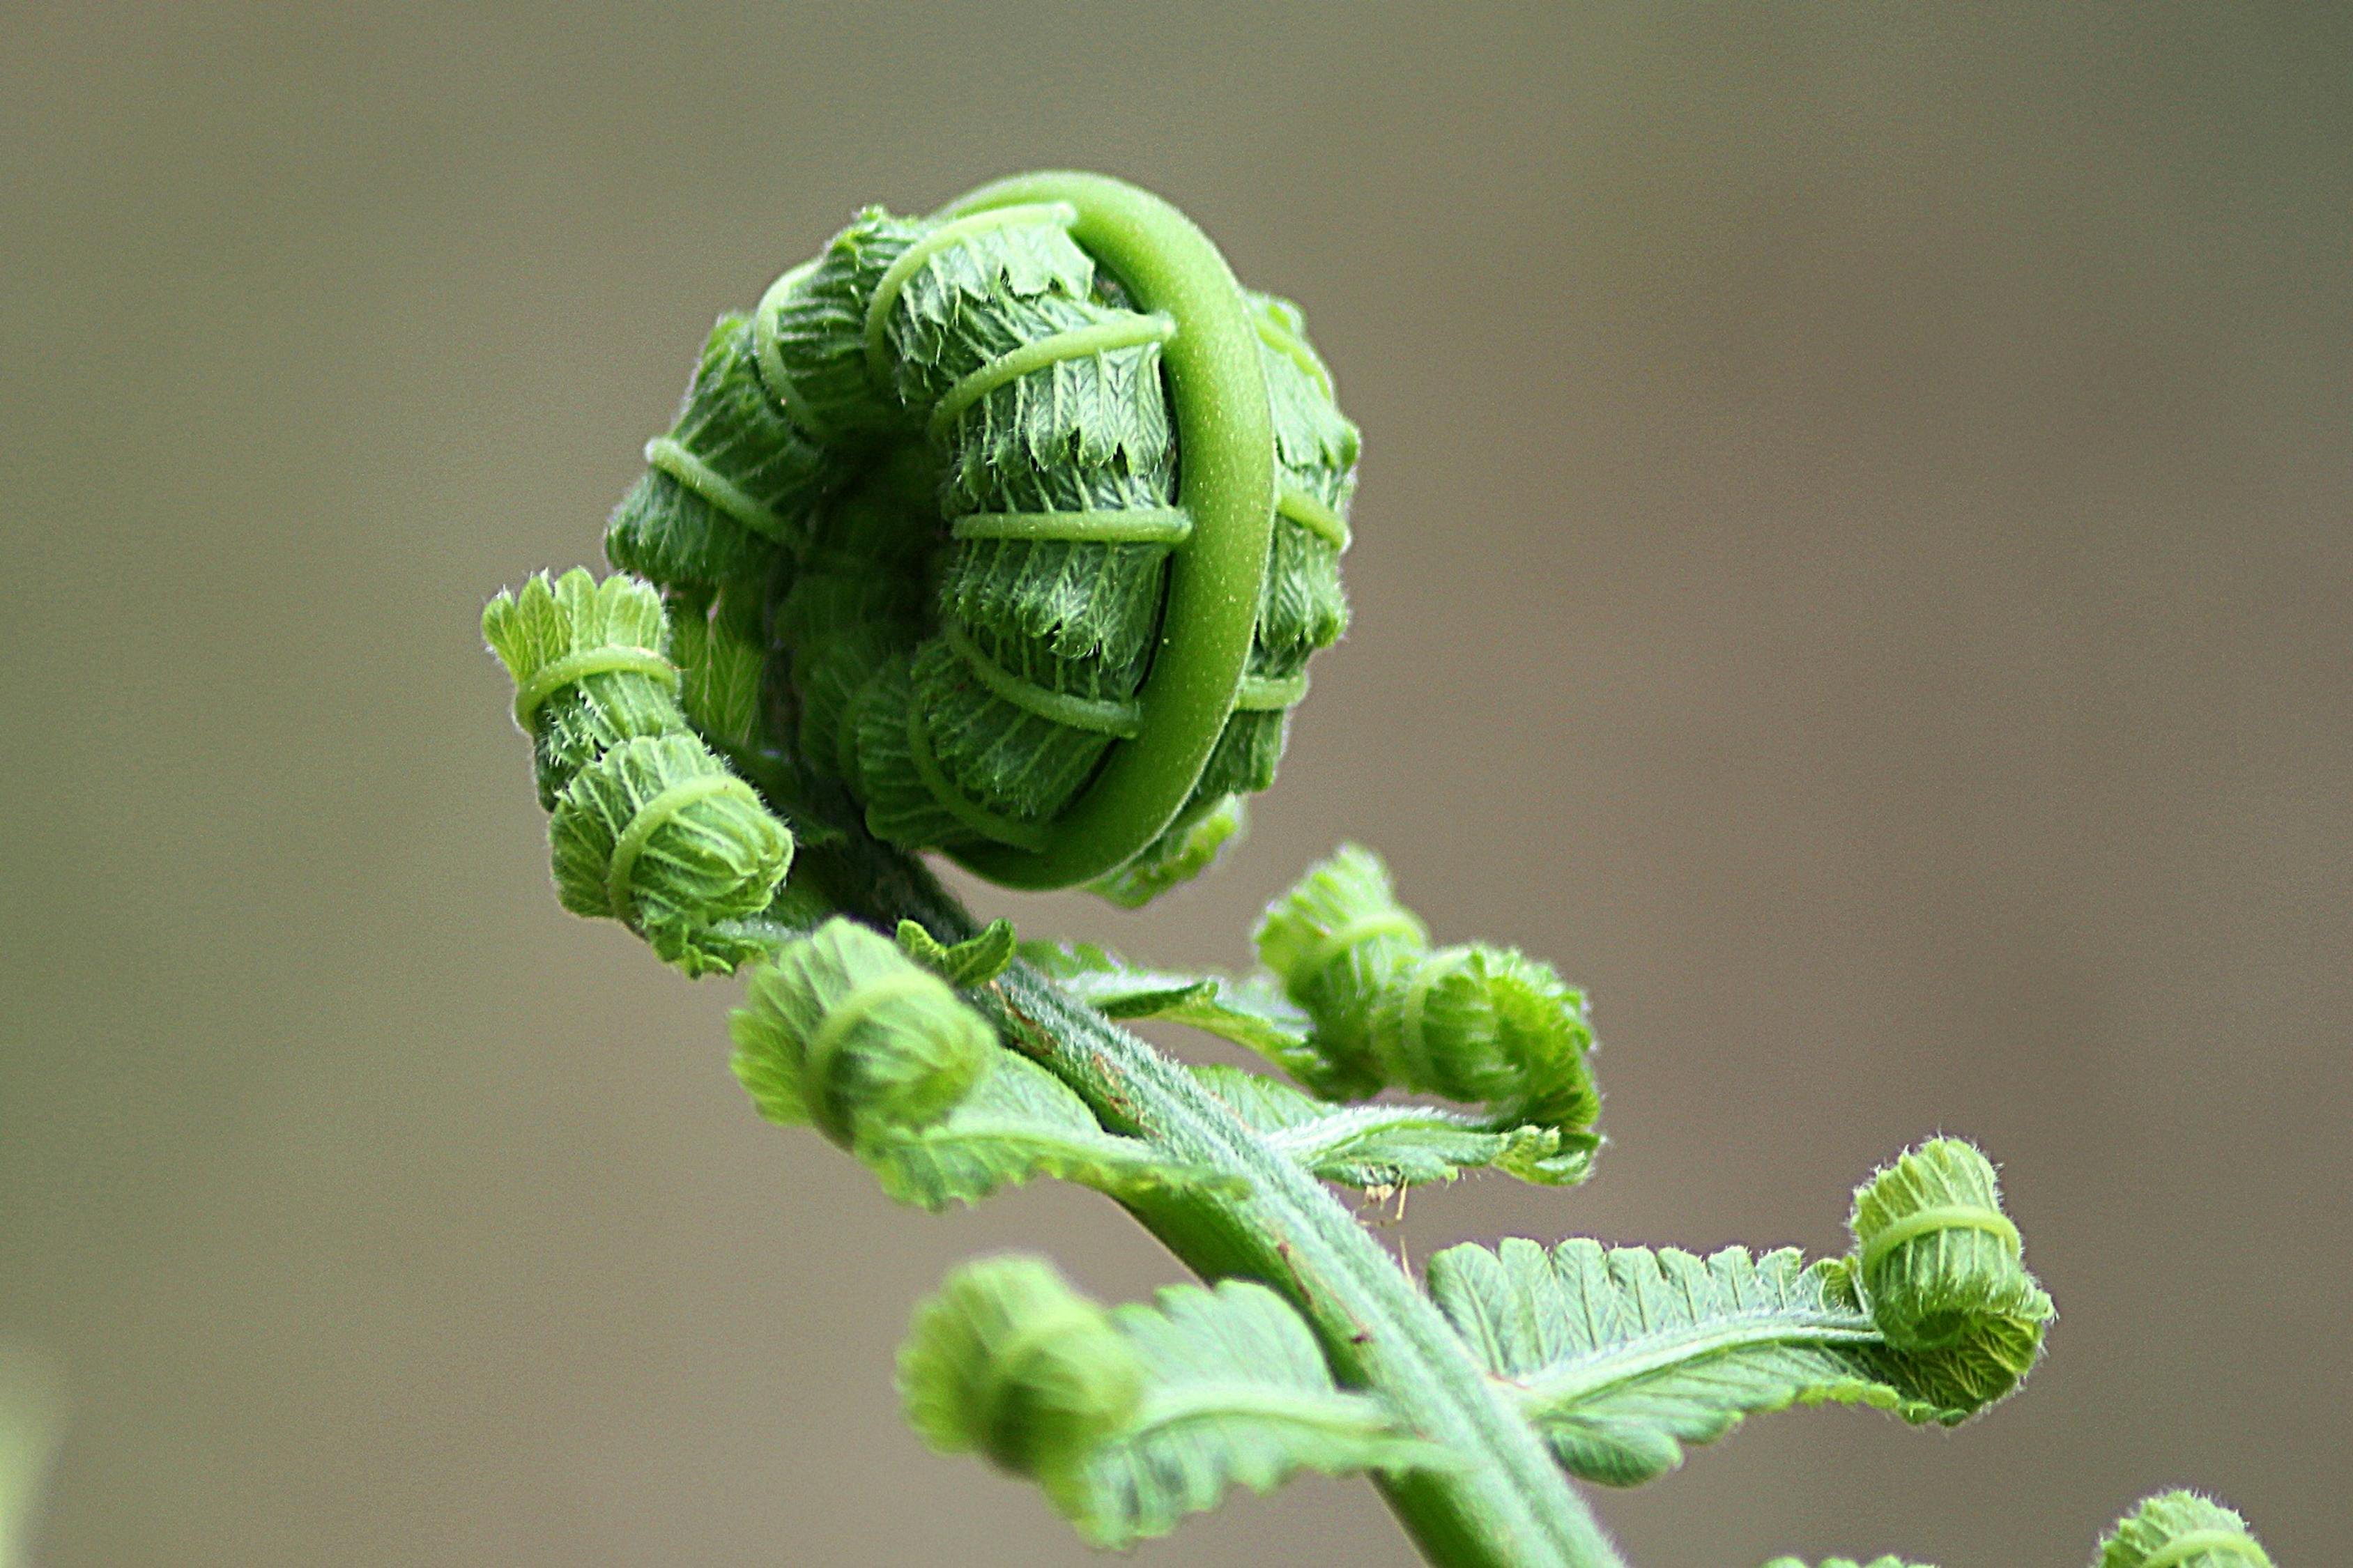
[{"x": 1563, "y": 1385}]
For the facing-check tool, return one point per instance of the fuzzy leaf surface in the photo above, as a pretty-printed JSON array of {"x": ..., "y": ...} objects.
[
  {"x": 1621, "y": 1356},
  {"x": 1237, "y": 1394},
  {"x": 1020, "y": 1122},
  {"x": 1375, "y": 1145}
]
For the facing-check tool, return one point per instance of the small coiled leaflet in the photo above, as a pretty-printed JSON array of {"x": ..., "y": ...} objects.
[
  {"x": 1942, "y": 1217},
  {"x": 620, "y": 873},
  {"x": 667, "y": 455},
  {"x": 573, "y": 668},
  {"x": 2181, "y": 1529},
  {"x": 1939, "y": 1265},
  {"x": 842, "y": 1029},
  {"x": 1010, "y": 1361}
]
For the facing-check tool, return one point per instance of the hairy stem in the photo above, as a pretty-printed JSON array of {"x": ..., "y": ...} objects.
[{"x": 1509, "y": 1506}]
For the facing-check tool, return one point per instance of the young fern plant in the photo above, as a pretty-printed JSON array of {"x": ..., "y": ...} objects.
[{"x": 1009, "y": 534}]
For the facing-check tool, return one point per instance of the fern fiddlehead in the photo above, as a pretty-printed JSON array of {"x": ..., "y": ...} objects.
[
  {"x": 1469, "y": 1023},
  {"x": 1009, "y": 1360},
  {"x": 845, "y": 1031},
  {"x": 1050, "y": 511},
  {"x": 1009, "y": 533},
  {"x": 1939, "y": 1268}
]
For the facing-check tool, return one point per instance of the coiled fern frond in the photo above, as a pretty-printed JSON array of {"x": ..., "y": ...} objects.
[
  {"x": 1010, "y": 532},
  {"x": 648, "y": 824},
  {"x": 1048, "y": 513}
]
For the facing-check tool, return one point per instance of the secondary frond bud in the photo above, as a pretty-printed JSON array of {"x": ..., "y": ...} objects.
[
  {"x": 1488, "y": 1023},
  {"x": 590, "y": 668},
  {"x": 1934, "y": 1249},
  {"x": 844, "y": 1030},
  {"x": 2181, "y": 1529},
  {"x": 1010, "y": 1361},
  {"x": 1940, "y": 1268},
  {"x": 659, "y": 835},
  {"x": 1340, "y": 942}
]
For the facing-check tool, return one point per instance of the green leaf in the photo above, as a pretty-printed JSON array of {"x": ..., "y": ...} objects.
[
  {"x": 2181, "y": 1529},
  {"x": 1248, "y": 1012},
  {"x": 1018, "y": 1122},
  {"x": 922, "y": 946},
  {"x": 1378, "y": 1146},
  {"x": 967, "y": 965},
  {"x": 590, "y": 667},
  {"x": 1622, "y": 1356},
  {"x": 1236, "y": 1393}
]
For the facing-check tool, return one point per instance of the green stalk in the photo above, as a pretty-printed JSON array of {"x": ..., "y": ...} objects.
[{"x": 1509, "y": 1506}]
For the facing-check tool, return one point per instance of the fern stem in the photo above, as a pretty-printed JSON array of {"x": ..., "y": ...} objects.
[{"x": 1508, "y": 1506}]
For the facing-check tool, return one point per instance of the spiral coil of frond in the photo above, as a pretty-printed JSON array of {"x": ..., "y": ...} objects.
[
  {"x": 1940, "y": 1268},
  {"x": 1469, "y": 1022},
  {"x": 645, "y": 823},
  {"x": 1010, "y": 1361},
  {"x": 842, "y": 1029},
  {"x": 1039, "y": 597}
]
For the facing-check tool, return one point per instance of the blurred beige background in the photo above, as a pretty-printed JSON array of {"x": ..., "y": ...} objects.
[{"x": 1854, "y": 562}]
